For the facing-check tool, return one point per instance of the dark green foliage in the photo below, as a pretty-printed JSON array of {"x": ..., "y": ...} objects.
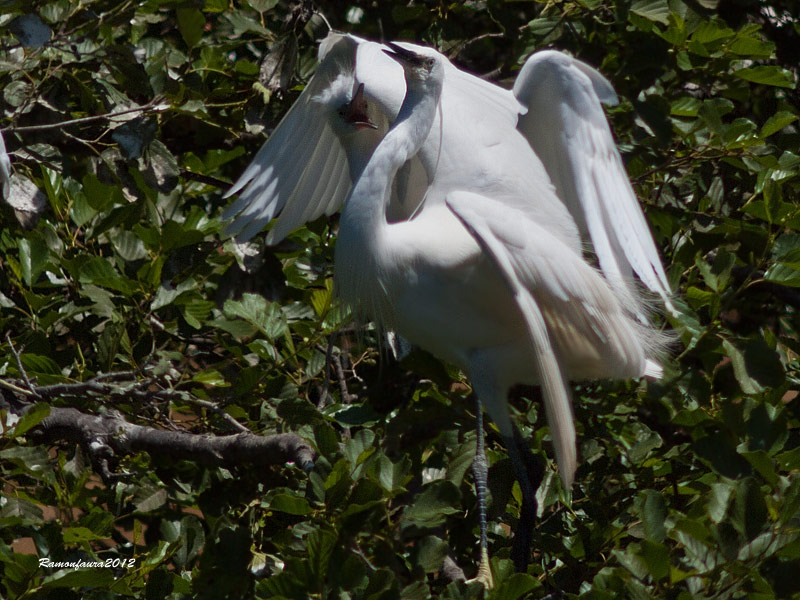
[{"x": 688, "y": 487}]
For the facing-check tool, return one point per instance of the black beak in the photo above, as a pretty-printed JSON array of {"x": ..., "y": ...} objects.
[{"x": 402, "y": 55}]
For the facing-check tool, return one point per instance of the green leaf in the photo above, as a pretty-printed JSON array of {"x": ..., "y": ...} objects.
[
  {"x": 783, "y": 273},
  {"x": 711, "y": 31},
  {"x": 656, "y": 558},
  {"x": 32, "y": 417},
  {"x": 429, "y": 552},
  {"x": 33, "y": 257},
  {"x": 128, "y": 245},
  {"x": 750, "y": 509},
  {"x": 652, "y": 10},
  {"x": 79, "y": 534},
  {"x": 654, "y": 515},
  {"x": 357, "y": 415},
  {"x": 148, "y": 499},
  {"x": 99, "y": 271},
  {"x": 210, "y": 377},
  {"x": 262, "y": 5},
  {"x": 82, "y": 578},
  {"x": 191, "y": 23},
  {"x": 767, "y": 75},
  {"x": 100, "y": 196},
  {"x": 38, "y": 364},
  {"x": 763, "y": 364},
  {"x": 293, "y": 505},
  {"x": 437, "y": 500},
  {"x": 265, "y": 316},
  {"x": 763, "y": 465},
  {"x": 746, "y": 382},
  {"x": 18, "y": 511},
  {"x": 718, "y": 501},
  {"x": 777, "y": 122},
  {"x": 518, "y": 585},
  {"x": 197, "y": 311},
  {"x": 321, "y": 544},
  {"x": 321, "y": 298}
]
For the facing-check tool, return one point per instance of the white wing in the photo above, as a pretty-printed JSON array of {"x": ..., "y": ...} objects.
[
  {"x": 303, "y": 170},
  {"x": 576, "y": 325},
  {"x": 568, "y": 130}
]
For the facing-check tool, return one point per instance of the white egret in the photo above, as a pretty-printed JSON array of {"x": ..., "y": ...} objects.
[
  {"x": 511, "y": 299},
  {"x": 479, "y": 282},
  {"x": 306, "y": 167}
]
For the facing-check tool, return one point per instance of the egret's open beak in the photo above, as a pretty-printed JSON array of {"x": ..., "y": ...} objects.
[
  {"x": 402, "y": 55},
  {"x": 356, "y": 112}
]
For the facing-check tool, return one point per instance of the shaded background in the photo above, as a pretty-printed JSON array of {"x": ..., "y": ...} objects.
[{"x": 687, "y": 487}]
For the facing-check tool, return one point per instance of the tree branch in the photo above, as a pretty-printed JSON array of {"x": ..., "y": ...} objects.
[
  {"x": 151, "y": 107},
  {"x": 108, "y": 437}
]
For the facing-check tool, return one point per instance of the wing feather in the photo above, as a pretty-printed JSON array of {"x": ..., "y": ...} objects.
[
  {"x": 577, "y": 325},
  {"x": 470, "y": 209},
  {"x": 566, "y": 126}
]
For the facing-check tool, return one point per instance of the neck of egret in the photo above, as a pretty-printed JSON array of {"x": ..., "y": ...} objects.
[{"x": 364, "y": 218}]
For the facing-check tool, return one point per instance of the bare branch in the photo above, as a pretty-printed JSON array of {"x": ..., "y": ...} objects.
[
  {"x": 23, "y": 373},
  {"x": 108, "y": 437},
  {"x": 151, "y": 107},
  {"x": 347, "y": 397}
]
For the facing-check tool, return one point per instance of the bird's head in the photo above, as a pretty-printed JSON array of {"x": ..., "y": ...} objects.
[
  {"x": 347, "y": 108},
  {"x": 355, "y": 113},
  {"x": 422, "y": 65}
]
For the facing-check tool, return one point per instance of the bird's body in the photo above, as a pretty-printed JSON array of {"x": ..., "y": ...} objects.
[
  {"x": 481, "y": 283},
  {"x": 453, "y": 235}
]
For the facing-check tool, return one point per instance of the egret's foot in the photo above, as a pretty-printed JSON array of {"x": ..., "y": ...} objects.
[{"x": 484, "y": 576}]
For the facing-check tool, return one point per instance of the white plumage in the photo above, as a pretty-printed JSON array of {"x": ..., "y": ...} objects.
[{"x": 453, "y": 234}]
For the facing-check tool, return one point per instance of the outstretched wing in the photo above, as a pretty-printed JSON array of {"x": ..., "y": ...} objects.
[
  {"x": 303, "y": 170},
  {"x": 568, "y": 130}
]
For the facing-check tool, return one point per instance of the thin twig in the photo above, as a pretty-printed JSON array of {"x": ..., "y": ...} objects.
[
  {"x": 22, "y": 371},
  {"x": 30, "y": 128},
  {"x": 336, "y": 361},
  {"x": 102, "y": 385},
  {"x": 15, "y": 388},
  {"x": 326, "y": 384},
  {"x": 206, "y": 179},
  {"x": 228, "y": 418}
]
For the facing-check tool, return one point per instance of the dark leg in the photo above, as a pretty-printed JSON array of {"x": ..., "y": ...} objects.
[{"x": 529, "y": 471}]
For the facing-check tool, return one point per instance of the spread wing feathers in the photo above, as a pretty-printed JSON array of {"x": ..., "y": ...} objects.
[
  {"x": 567, "y": 129},
  {"x": 576, "y": 325},
  {"x": 272, "y": 179},
  {"x": 302, "y": 170}
]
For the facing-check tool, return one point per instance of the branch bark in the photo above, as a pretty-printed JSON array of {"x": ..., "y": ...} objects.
[{"x": 108, "y": 437}]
